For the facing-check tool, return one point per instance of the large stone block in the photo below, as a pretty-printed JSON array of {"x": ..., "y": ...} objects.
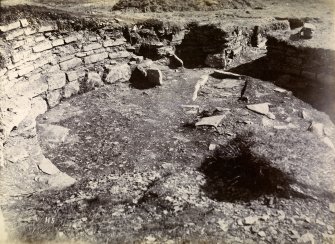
[
  {"x": 95, "y": 58},
  {"x": 38, "y": 106},
  {"x": 54, "y": 97},
  {"x": 35, "y": 86},
  {"x": 69, "y": 64},
  {"x": 11, "y": 26},
  {"x": 118, "y": 73},
  {"x": 56, "y": 80},
  {"x": 70, "y": 39},
  {"x": 29, "y": 31},
  {"x": 112, "y": 43},
  {"x": 116, "y": 55},
  {"x": 14, "y": 34},
  {"x": 42, "y": 46},
  {"x": 72, "y": 88},
  {"x": 92, "y": 46},
  {"x": 57, "y": 42},
  {"x": 46, "y": 28},
  {"x": 15, "y": 109},
  {"x": 26, "y": 69}
]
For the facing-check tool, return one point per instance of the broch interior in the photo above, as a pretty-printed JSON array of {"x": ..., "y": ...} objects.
[{"x": 133, "y": 131}]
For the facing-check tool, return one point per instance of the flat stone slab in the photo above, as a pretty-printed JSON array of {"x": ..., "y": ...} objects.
[
  {"x": 210, "y": 121},
  {"x": 53, "y": 133},
  {"x": 228, "y": 84}
]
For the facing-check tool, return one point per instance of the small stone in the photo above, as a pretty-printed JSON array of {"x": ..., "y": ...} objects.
[
  {"x": 328, "y": 142},
  {"x": 294, "y": 234},
  {"x": 261, "y": 108},
  {"x": 254, "y": 229},
  {"x": 280, "y": 90},
  {"x": 250, "y": 220},
  {"x": 332, "y": 207},
  {"x": 212, "y": 147},
  {"x": 316, "y": 128},
  {"x": 281, "y": 214},
  {"x": 307, "y": 238},
  {"x": 307, "y": 31},
  {"x": 306, "y": 115},
  {"x": 261, "y": 233},
  {"x": 223, "y": 225},
  {"x": 211, "y": 121}
]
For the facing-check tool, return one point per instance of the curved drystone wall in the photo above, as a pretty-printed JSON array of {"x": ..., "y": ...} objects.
[
  {"x": 43, "y": 66},
  {"x": 286, "y": 57},
  {"x": 44, "y": 63}
]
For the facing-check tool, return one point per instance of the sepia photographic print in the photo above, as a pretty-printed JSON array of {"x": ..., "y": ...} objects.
[{"x": 167, "y": 121}]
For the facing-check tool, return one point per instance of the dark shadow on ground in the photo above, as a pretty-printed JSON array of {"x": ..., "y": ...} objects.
[
  {"x": 235, "y": 174},
  {"x": 315, "y": 93}
]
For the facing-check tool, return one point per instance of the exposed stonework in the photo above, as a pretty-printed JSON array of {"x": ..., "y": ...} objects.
[{"x": 315, "y": 64}]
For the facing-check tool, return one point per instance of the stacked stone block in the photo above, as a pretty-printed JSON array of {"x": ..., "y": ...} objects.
[{"x": 314, "y": 64}]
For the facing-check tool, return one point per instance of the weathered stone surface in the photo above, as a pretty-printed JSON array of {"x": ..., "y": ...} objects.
[
  {"x": 35, "y": 86},
  {"x": 72, "y": 88},
  {"x": 95, "y": 58},
  {"x": 46, "y": 166},
  {"x": 200, "y": 83},
  {"x": 26, "y": 69},
  {"x": 72, "y": 75},
  {"x": 15, "y": 153},
  {"x": 54, "y": 97},
  {"x": 316, "y": 128},
  {"x": 29, "y": 31},
  {"x": 122, "y": 54},
  {"x": 46, "y": 28},
  {"x": 69, "y": 64},
  {"x": 155, "y": 76},
  {"x": 70, "y": 39},
  {"x": 14, "y": 34},
  {"x": 38, "y": 106},
  {"x": 112, "y": 43},
  {"x": 58, "y": 42},
  {"x": 261, "y": 108},
  {"x": 118, "y": 73},
  {"x": 91, "y": 46},
  {"x": 14, "y": 111},
  {"x": 229, "y": 83},
  {"x": 93, "y": 80},
  {"x": 11, "y": 26},
  {"x": 60, "y": 181},
  {"x": 40, "y": 38},
  {"x": 42, "y": 46},
  {"x": 56, "y": 80},
  {"x": 24, "y": 22},
  {"x": 211, "y": 121}
]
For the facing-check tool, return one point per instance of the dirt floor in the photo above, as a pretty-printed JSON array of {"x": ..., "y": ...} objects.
[{"x": 145, "y": 172}]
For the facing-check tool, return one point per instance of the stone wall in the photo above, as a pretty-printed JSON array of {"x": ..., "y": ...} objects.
[
  {"x": 314, "y": 64},
  {"x": 43, "y": 65}
]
